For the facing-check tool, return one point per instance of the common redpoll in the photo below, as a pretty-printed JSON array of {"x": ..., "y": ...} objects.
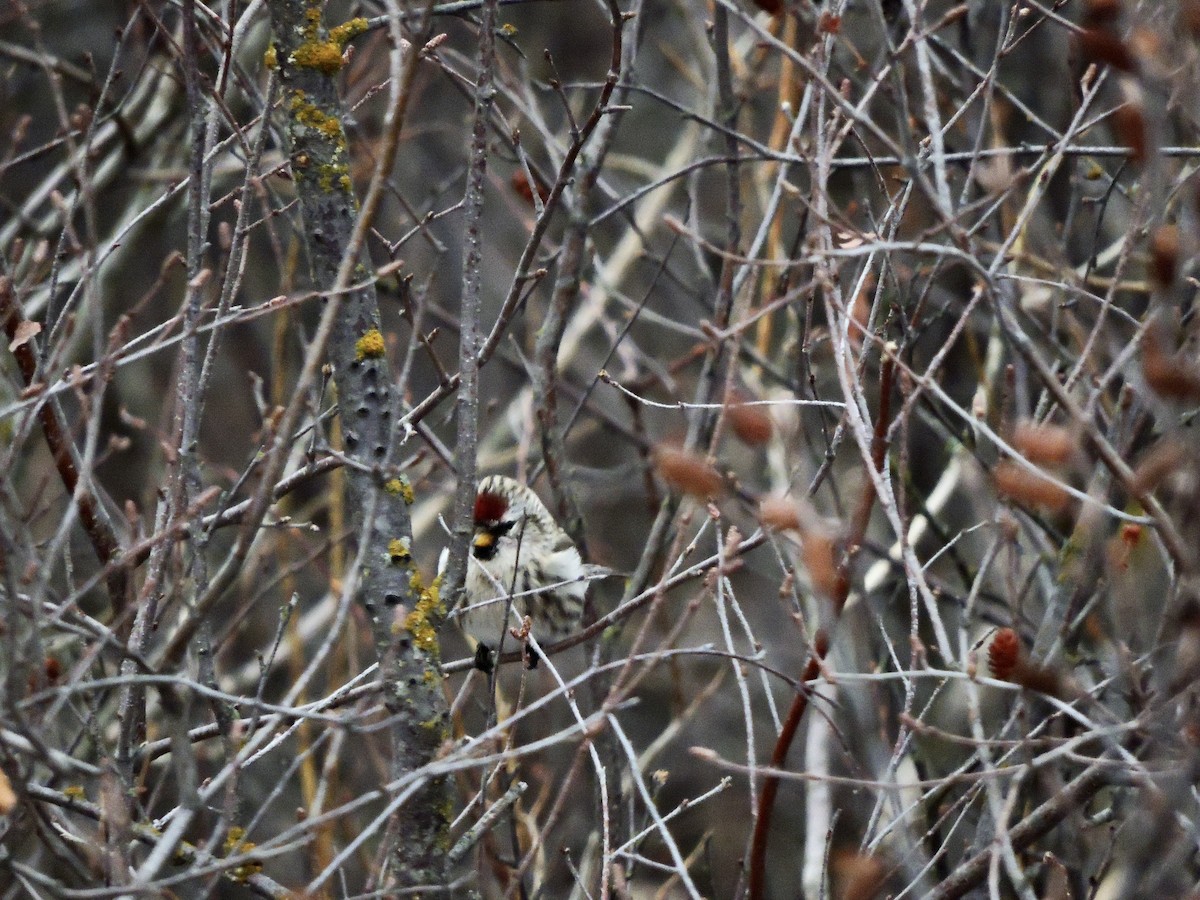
[{"x": 521, "y": 564}]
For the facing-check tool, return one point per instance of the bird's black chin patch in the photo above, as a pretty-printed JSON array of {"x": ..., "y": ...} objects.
[
  {"x": 483, "y": 659},
  {"x": 487, "y": 540},
  {"x": 532, "y": 657}
]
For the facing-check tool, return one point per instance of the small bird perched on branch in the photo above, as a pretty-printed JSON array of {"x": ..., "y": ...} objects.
[{"x": 521, "y": 562}]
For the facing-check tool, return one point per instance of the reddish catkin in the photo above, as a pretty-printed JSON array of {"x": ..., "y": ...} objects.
[
  {"x": 1004, "y": 651},
  {"x": 862, "y": 876},
  {"x": 520, "y": 184},
  {"x": 1164, "y": 255},
  {"x": 779, "y": 513},
  {"x": 1018, "y": 483},
  {"x": 1099, "y": 45},
  {"x": 751, "y": 424},
  {"x": 1169, "y": 375},
  {"x": 1129, "y": 127},
  {"x": 1049, "y": 445},
  {"x": 820, "y": 559},
  {"x": 687, "y": 472},
  {"x": 1007, "y": 662}
]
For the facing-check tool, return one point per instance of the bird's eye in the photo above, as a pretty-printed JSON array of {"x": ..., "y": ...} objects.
[{"x": 502, "y": 528}]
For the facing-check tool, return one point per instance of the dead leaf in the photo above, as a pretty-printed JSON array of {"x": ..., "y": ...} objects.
[{"x": 24, "y": 333}]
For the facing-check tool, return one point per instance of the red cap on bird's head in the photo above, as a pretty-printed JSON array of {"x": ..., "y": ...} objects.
[{"x": 489, "y": 507}]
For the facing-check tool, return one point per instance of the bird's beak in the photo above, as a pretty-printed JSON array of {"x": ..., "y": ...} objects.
[{"x": 483, "y": 540}]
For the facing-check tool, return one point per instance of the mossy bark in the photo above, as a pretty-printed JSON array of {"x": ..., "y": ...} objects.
[{"x": 404, "y": 613}]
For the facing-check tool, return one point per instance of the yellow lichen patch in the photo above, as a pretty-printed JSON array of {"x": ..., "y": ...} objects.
[
  {"x": 347, "y": 30},
  {"x": 235, "y": 843},
  {"x": 400, "y": 486},
  {"x": 332, "y": 174},
  {"x": 270, "y": 57},
  {"x": 417, "y": 623},
  {"x": 397, "y": 550},
  {"x": 325, "y": 56},
  {"x": 313, "y": 16},
  {"x": 311, "y": 116},
  {"x": 369, "y": 346},
  {"x": 233, "y": 840}
]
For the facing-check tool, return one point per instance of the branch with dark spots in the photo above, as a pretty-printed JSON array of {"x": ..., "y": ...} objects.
[{"x": 405, "y": 645}]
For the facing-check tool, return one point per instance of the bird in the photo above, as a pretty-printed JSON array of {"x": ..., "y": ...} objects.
[{"x": 521, "y": 561}]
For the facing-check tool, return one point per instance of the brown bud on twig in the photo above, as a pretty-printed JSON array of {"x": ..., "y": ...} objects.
[
  {"x": 687, "y": 472},
  {"x": 1049, "y": 445},
  {"x": 1100, "y": 45},
  {"x": 861, "y": 875},
  {"x": 1169, "y": 375},
  {"x": 779, "y": 513},
  {"x": 819, "y": 551},
  {"x": 751, "y": 424},
  {"x": 820, "y": 559},
  {"x": 1129, "y": 127},
  {"x": 1016, "y": 482},
  {"x": 1164, "y": 255}
]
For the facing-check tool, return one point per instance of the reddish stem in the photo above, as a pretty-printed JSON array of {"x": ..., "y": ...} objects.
[
  {"x": 766, "y": 800},
  {"x": 54, "y": 427}
]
